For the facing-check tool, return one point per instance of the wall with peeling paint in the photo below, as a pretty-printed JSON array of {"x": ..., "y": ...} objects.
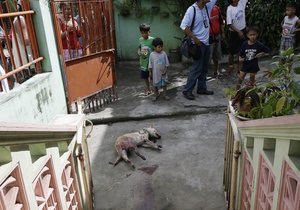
[{"x": 42, "y": 97}]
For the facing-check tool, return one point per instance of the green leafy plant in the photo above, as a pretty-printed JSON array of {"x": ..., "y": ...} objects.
[{"x": 278, "y": 97}]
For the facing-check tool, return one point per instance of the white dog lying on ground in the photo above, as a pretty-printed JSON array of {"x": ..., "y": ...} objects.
[{"x": 131, "y": 141}]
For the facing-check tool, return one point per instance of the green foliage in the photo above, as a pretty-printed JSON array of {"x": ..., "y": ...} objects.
[{"x": 278, "y": 97}]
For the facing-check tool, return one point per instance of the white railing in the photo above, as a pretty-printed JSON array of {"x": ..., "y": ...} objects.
[
  {"x": 262, "y": 168},
  {"x": 41, "y": 166}
]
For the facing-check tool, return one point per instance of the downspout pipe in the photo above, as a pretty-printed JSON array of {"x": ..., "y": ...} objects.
[{"x": 236, "y": 155}]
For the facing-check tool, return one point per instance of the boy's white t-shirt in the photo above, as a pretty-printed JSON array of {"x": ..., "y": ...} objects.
[
  {"x": 289, "y": 25},
  {"x": 158, "y": 62},
  {"x": 236, "y": 15}
]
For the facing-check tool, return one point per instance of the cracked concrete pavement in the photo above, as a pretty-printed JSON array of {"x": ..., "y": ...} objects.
[{"x": 188, "y": 173}]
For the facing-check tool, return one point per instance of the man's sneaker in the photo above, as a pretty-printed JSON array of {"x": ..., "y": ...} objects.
[
  {"x": 206, "y": 92},
  {"x": 189, "y": 95}
]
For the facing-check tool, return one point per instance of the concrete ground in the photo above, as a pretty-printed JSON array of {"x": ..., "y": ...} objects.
[{"x": 188, "y": 173}]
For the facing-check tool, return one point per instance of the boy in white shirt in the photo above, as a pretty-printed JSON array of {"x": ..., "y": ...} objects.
[{"x": 236, "y": 21}]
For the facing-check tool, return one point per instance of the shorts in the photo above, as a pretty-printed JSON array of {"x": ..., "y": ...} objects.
[
  {"x": 162, "y": 83},
  {"x": 215, "y": 49},
  {"x": 286, "y": 43},
  {"x": 248, "y": 72},
  {"x": 144, "y": 74},
  {"x": 235, "y": 42}
]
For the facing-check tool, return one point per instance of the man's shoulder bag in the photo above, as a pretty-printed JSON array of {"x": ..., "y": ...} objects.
[{"x": 187, "y": 48}]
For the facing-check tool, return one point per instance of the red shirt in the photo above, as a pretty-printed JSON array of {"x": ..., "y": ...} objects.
[
  {"x": 72, "y": 37},
  {"x": 216, "y": 20}
]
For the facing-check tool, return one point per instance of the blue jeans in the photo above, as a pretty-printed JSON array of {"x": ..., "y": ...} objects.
[{"x": 198, "y": 71}]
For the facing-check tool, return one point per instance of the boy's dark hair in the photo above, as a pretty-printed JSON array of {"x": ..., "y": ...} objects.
[
  {"x": 144, "y": 27},
  {"x": 157, "y": 41},
  {"x": 291, "y": 5},
  {"x": 252, "y": 28},
  {"x": 229, "y": 1}
]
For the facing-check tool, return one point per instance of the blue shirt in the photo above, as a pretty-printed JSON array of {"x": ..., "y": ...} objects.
[{"x": 201, "y": 24}]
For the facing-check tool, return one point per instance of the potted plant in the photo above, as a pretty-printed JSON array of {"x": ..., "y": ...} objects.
[{"x": 278, "y": 97}]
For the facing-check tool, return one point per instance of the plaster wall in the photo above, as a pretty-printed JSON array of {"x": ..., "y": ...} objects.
[
  {"x": 127, "y": 30},
  {"x": 37, "y": 100},
  {"x": 42, "y": 97}
]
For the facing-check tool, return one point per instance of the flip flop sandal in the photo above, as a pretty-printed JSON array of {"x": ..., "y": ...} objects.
[
  {"x": 147, "y": 93},
  {"x": 166, "y": 98}
]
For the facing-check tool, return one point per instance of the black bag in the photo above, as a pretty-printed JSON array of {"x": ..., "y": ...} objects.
[
  {"x": 186, "y": 44},
  {"x": 187, "y": 48},
  {"x": 195, "y": 51}
]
